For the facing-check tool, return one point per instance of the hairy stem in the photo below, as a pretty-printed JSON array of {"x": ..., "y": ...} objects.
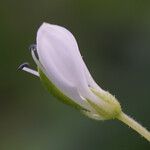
[{"x": 134, "y": 125}]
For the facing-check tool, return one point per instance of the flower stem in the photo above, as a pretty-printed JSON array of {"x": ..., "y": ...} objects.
[{"x": 134, "y": 125}]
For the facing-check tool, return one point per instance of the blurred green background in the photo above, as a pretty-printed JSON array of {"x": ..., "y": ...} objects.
[{"x": 114, "y": 38}]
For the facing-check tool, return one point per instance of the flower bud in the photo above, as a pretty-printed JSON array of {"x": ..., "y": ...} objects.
[{"x": 64, "y": 73}]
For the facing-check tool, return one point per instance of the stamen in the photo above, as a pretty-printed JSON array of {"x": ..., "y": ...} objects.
[
  {"x": 31, "y": 71},
  {"x": 33, "y": 48},
  {"x": 25, "y": 67}
]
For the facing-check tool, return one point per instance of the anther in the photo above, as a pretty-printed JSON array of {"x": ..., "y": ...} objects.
[
  {"x": 32, "y": 47},
  {"x": 25, "y": 67},
  {"x": 26, "y": 64}
]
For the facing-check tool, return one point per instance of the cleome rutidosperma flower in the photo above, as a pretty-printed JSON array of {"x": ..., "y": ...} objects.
[{"x": 62, "y": 70}]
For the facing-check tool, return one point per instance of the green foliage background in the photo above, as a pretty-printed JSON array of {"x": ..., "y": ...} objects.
[{"x": 114, "y": 39}]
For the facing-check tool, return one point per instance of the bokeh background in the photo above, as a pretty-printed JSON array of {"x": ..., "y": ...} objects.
[{"x": 114, "y": 39}]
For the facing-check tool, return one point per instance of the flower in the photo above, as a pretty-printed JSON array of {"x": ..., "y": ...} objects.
[
  {"x": 62, "y": 70},
  {"x": 65, "y": 75}
]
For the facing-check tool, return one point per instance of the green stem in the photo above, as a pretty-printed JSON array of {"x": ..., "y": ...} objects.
[{"x": 134, "y": 125}]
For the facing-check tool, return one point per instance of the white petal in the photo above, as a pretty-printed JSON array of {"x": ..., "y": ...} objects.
[
  {"x": 56, "y": 49},
  {"x": 62, "y": 63}
]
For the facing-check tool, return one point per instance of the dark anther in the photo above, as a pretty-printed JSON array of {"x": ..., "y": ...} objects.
[
  {"x": 32, "y": 47},
  {"x": 23, "y": 65}
]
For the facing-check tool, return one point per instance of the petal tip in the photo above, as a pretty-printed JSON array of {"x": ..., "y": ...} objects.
[{"x": 44, "y": 25}]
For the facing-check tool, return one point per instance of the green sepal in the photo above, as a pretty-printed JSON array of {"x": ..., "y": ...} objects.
[
  {"x": 104, "y": 115},
  {"x": 110, "y": 109},
  {"x": 56, "y": 92}
]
